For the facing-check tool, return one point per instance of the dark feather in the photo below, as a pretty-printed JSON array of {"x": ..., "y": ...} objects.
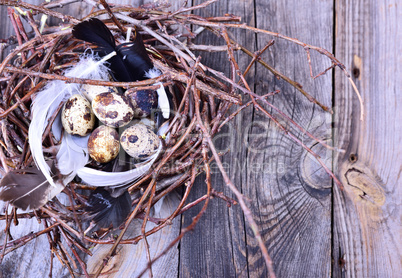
[
  {"x": 131, "y": 62},
  {"x": 95, "y": 32},
  {"x": 27, "y": 188},
  {"x": 105, "y": 210},
  {"x": 135, "y": 59}
]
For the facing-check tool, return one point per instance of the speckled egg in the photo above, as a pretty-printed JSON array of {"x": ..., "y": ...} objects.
[
  {"x": 91, "y": 91},
  {"x": 143, "y": 102},
  {"x": 103, "y": 144},
  {"x": 112, "y": 109},
  {"x": 77, "y": 117},
  {"x": 139, "y": 141}
]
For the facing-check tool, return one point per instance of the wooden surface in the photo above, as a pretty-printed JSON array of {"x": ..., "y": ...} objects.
[
  {"x": 367, "y": 217},
  {"x": 311, "y": 228}
]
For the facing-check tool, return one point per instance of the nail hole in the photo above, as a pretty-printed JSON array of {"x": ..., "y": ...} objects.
[
  {"x": 342, "y": 262},
  {"x": 356, "y": 72},
  {"x": 353, "y": 157}
]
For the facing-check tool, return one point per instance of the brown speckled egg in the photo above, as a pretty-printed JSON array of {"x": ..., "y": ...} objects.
[
  {"x": 103, "y": 144},
  {"x": 77, "y": 117},
  {"x": 139, "y": 141},
  {"x": 91, "y": 91},
  {"x": 143, "y": 102},
  {"x": 112, "y": 109}
]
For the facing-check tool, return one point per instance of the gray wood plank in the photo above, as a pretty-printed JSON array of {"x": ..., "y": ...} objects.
[
  {"x": 291, "y": 202},
  {"x": 367, "y": 219},
  {"x": 290, "y": 193},
  {"x": 217, "y": 246},
  {"x": 34, "y": 258}
]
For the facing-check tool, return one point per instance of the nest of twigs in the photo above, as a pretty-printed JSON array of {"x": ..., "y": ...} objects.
[{"x": 203, "y": 101}]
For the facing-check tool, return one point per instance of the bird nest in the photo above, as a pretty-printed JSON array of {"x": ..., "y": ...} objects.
[{"x": 203, "y": 99}]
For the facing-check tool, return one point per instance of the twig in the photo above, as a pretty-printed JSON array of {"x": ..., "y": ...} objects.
[
  {"x": 115, "y": 20},
  {"x": 86, "y": 81},
  {"x": 70, "y": 244},
  {"x": 39, "y": 9}
]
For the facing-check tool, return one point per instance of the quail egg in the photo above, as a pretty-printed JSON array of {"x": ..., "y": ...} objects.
[
  {"x": 91, "y": 91},
  {"x": 103, "y": 144},
  {"x": 143, "y": 102},
  {"x": 139, "y": 141},
  {"x": 77, "y": 117},
  {"x": 112, "y": 109}
]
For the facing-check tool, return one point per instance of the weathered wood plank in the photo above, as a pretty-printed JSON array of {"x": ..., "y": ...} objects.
[
  {"x": 217, "y": 246},
  {"x": 367, "y": 219},
  {"x": 34, "y": 258},
  {"x": 291, "y": 203},
  {"x": 291, "y": 194}
]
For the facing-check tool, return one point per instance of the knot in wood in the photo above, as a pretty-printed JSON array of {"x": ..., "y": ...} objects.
[
  {"x": 365, "y": 186},
  {"x": 313, "y": 174}
]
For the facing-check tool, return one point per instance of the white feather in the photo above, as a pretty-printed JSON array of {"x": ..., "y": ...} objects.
[
  {"x": 44, "y": 105},
  {"x": 163, "y": 101},
  {"x": 57, "y": 127},
  {"x": 48, "y": 100},
  {"x": 72, "y": 156},
  {"x": 114, "y": 179}
]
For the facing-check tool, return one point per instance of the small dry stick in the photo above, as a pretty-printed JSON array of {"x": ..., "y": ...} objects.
[{"x": 71, "y": 245}]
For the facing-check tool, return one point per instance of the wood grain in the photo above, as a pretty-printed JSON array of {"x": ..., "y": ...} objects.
[
  {"x": 367, "y": 235},
  {"x": 33, "y": 259}
]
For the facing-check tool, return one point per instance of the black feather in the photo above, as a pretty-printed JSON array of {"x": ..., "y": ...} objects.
[
  {"x": 26, "y": 188},
  {"x": 95, "y": 32},
  {"x": 105, "y": 210},
  {"x": 135, "y": 59},
  {"x": 131, "y": 62}
]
